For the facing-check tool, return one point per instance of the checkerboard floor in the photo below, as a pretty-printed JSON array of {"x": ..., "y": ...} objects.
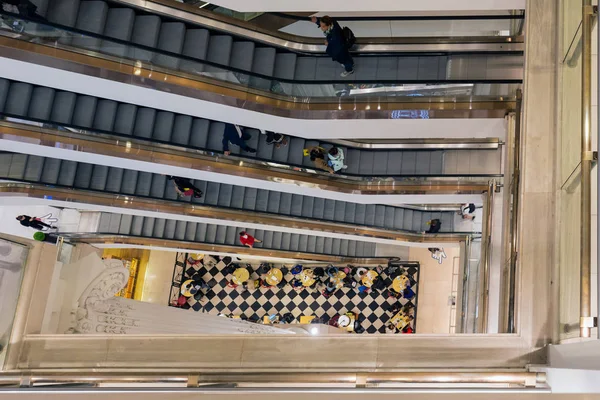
[{"x": 372, "y": 308}]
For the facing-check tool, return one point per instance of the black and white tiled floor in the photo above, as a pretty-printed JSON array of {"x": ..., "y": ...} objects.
[{"x": 372, "y": 307}]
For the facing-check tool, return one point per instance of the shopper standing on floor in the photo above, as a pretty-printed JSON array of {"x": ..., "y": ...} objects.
[{"x": 337, "y": 46}]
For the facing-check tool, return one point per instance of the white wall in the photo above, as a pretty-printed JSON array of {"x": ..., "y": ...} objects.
[
  {"x": 317, "y": 129},
  {"x": 372, "y": 5}
]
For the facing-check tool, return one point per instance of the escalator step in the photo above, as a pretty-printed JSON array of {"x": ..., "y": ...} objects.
[
  {"x": 85, "y": 108},
  {"x": 339, "y": 211},
  {"x": 163, "y": 126},
  {"x": 182, "y": 129},
  {"x": 143, "y": 184},
  {"x": 201, "y": 232},
  {"x": 199, "y": 133},
  {"x": 63, "y": 12},
  {"x": 336, "y": 245},
  {"x": 63, "y": 107},
  {"x": 171, "y": 37},
  {"x": 170, "y": 226},
  {"x": 195, "y": 45},
  {"x": 237, "y": 197},
  {"x": 125, "y": 224},
  {"x": 262, "y": 200},
  {"x": 250, "y": 196},
  {"x": 106, "y": 113},
  {"x": 211, "y": 196},
  {"x": 130, "y": 181},
  {"x": 273, "y": 202},
  {"x": 231, "y": 235},
  {"x": 114, "y": 224},
  {"x": 215, "y": 137},
  {"x": 379, "y": 216},
  {"x": 125, "y": 119},
  {"x": 66, "y": 176},
  {"x": 422, "y": 163},
  {"x": 137, "y": 225},
  {"x": 285, "y": 204},
  {"x": 329, "y": 210},
  {"x": 219, "y": 51},
  {"x": 41, "y": 103},
  {"x": 51, "y": 170},
  {"x": 144, "y": 122},
  {"x": 148, "y": 227},
  {"x": 20, "y": 96},
  {"x": 4, "y": 89},
  {"x": 119, "y": 25},
  {"x": 277, "y": 238},
  {"x": 294, "y": 242},
  {"x": 296, "y": 206},
  {"x": 311, "y": 245},
  {"x": 409, "y": 161},
  {"x": 211, "y": 233},
  {"x": 319, "y": 244},
  {"x": 17, "y": 166},
  {"x": 380, "y": 163},
  {"x": 159, "y": 228},
  {"x": 180, "y": 229},
  {"x": 267, "y": 241},
  {"x": 146, "y": 29},
  {"x": 389, "y": 217},
  {"x": 407, "y": 221},
  {"x": 318, "y": 211},
  {"x": 242, "y": 56},
  {"x": 34, "y": 167},
  {"x": 158, "y": 185},
  {"x": 225, "y": 195},
  {"x": 99, "y": 177},
  {"x": 350, "y": 212},
  {"x": 190, "y": 231},
  {"x": 92, "y": 18},
  {"x": 114, "y": 179}
]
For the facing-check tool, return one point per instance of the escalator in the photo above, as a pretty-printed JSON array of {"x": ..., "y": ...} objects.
[
  {"x": 256, "y": 203},
  {"x": 110, "y": 35},
  {"x": 170, "y": 229},
  {"x": 181, "y": 41},
  {"x": 96, "y": 116}
]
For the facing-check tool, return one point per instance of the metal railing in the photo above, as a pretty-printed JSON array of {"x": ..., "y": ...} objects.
[{"x": 587, "y": 157}]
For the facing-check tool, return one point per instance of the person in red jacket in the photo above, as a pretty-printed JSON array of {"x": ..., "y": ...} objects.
[{"x": 248, "y": 240}]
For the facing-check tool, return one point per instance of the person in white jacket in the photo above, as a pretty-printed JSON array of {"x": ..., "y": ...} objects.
[{"x": 336, "y": 159}]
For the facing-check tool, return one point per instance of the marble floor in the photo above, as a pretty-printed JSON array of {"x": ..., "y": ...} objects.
[{"x": 375, "y": 308}]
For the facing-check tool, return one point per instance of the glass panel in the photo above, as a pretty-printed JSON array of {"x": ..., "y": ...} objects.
[{"x": 12, "y": 264}]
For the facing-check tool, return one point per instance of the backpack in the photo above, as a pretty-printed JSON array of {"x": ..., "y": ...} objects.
[{"x": 349, "y": 37}]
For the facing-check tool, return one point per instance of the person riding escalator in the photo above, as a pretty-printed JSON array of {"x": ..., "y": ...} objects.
[{"x": 337, "y": 45}]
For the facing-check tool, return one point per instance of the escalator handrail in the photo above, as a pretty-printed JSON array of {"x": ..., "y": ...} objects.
[
  {"x": 314, "y": 171},
  {"x": 227, "y": 68},
  {"x": 25, "y": 183},
  {"x": 406, "y": 17}
]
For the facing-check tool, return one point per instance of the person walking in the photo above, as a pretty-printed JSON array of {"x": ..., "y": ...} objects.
[
  {"x": 248, "y": 240},
  {"x": 318, "y": 156},
  {"x": 235, "y": 134},
  {"x": 434, "y": 226},
  {"x": 185, "y": 187},
  {"x": 336, "y": 159},
  {"x": 337, "y": 48},
  {"x": 467, "y": 211},
  {"x": 34, "y": 222}
]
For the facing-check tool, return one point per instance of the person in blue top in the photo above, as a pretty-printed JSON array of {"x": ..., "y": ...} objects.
[
  {"x": 336, "y": 43},
  {"x": 235, "y": 134}
]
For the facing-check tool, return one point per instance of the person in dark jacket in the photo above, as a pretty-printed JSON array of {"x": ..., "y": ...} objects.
[
  {"x": 336, "y": 43},
  {"x": 33, "y": 222},
  {"x": 185, "y": 187},
  {"x": 235, "y": 134},
  {"x": 434, "y": 226}
]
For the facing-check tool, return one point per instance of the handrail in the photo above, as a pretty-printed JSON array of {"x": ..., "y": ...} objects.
[
  {"x": 586, "y": 319},
  {"x": 292, "y": 42},
  {"x": 152, "y": 204},
  {"x": 408, "y": 17},
  {"x": 486, "y": 257},
  {"x": 249, "y": 73},
  {"x": 515, "y": 191},
  {"x": 250, "y": 168},
  {"x": 271, "y": 380}
]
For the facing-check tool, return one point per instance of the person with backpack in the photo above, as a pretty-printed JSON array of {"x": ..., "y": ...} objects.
[
  {"x": 185, "y": 187},
  {"x": 338, "y": 45},
  {"x": 336, "y": 159},
  {"x": 238, "y": 136},
  {"x": 318, "y": 156}
]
